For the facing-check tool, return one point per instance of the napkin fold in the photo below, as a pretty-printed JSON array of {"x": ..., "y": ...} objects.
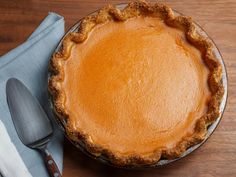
[
  {"x": 29, "y": 63},
  {"x": 9, "y": 163}
]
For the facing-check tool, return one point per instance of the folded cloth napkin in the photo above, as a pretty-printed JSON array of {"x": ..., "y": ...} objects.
[{"x": 29, "y": 63}]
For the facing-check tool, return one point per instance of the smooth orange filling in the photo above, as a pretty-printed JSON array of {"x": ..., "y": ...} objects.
[{"x": 135, "y": 86}]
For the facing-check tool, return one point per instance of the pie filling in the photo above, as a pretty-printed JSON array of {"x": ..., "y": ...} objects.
[{"x": 135, "y": 86}]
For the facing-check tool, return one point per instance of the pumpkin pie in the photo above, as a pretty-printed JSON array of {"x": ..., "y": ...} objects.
[{"x": 136, "y": 85}]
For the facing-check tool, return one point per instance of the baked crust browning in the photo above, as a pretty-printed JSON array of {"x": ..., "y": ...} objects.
[{"x": 134, "y": 9}]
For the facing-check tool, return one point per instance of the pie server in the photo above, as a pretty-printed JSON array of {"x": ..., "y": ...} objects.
[{"x": 31, "y": 122}]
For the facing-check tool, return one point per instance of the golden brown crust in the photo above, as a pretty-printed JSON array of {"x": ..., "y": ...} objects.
[{"x": 138, "y": 8}]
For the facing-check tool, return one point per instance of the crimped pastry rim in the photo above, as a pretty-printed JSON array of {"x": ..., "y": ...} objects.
[{"x": 215, "y": 85}]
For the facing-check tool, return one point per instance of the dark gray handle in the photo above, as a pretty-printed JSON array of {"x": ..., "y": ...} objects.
[{"x": 50, "y": 163}]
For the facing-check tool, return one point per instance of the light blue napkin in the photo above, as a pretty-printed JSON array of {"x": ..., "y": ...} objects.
[{"x": 29, "y": 63}]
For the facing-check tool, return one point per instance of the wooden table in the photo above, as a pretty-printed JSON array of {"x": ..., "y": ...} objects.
[{"x": 19, "y": 18}]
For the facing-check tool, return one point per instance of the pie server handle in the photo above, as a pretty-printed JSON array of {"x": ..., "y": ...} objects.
[{"x": 50, "y": 163}]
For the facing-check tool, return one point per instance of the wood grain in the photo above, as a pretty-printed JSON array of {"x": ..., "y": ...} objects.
[{"x": 217, "y": 157}]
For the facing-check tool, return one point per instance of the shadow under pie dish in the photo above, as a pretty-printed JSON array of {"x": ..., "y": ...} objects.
[{"x": 136, "y": 85}]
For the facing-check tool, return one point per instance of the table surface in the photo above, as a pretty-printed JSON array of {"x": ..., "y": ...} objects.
[{"x": 217, "y": 157}]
